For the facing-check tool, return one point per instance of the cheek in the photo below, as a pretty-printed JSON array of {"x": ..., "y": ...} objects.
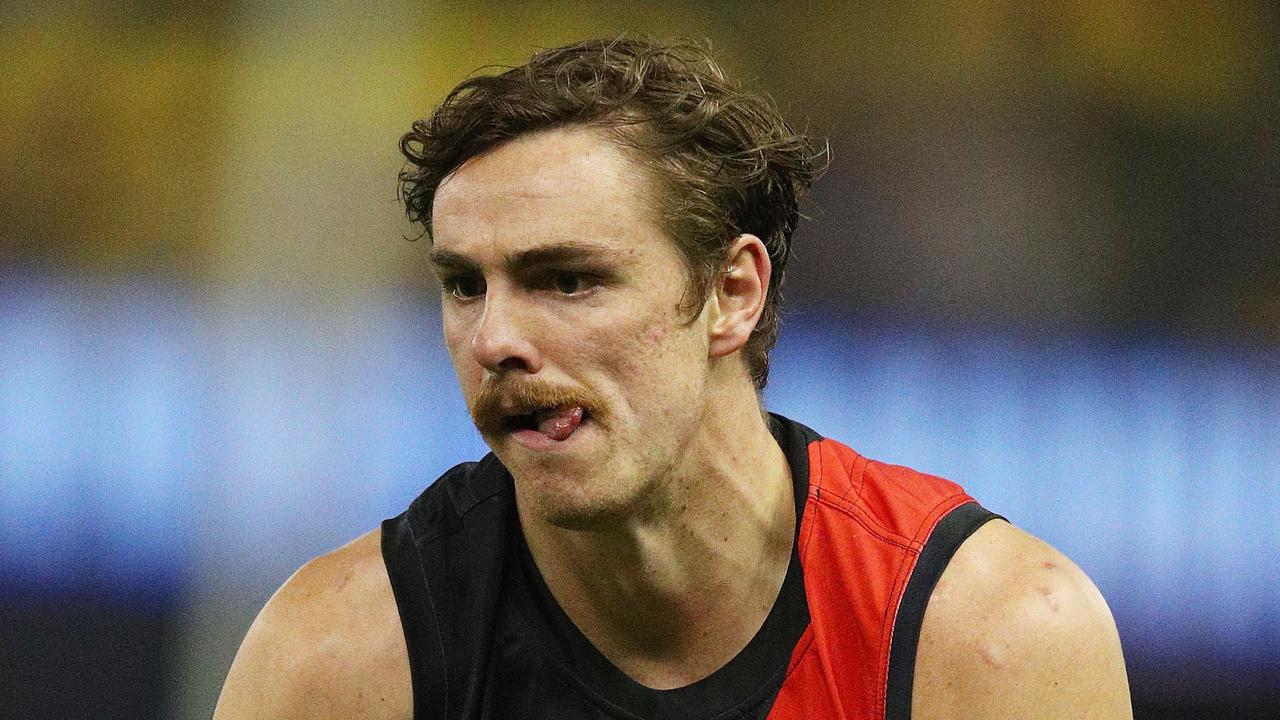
[
  {"x": 656, "y": 333},
  {"x": 457, "y": 343},
  {"x": 655, "y": 360},
  {"x": 452, "y": 342}
]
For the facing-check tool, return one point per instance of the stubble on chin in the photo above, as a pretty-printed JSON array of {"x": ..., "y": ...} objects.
[
  {"x": 599, "y": 494},
  {"x": 589, "y": 511}
]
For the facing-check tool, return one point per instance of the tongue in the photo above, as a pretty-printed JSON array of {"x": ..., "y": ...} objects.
[{"x": 559, "y": 424}]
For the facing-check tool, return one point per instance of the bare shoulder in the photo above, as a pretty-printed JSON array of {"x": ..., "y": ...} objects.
[
  {"x": 328, "y": 644},
  {"x": 1015, "y": 630}
]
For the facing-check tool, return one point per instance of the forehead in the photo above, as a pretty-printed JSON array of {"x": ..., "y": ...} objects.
[{"x": 567, "y": 184}]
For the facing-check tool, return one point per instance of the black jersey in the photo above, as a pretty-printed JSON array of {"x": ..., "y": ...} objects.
[{"x": 487, "y": 640}]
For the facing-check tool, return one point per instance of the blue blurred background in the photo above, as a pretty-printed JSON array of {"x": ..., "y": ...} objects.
[{"x": 1045, "y": 264}]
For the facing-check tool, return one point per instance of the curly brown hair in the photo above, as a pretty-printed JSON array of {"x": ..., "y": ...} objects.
[{"x": 722, "y": 159}]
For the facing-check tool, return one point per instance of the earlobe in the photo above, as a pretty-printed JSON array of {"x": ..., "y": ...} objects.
[{"x": 739, "y": 295}]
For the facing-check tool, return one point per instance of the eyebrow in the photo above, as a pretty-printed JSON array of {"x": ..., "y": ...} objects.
[{"x": 558, "y": 253}]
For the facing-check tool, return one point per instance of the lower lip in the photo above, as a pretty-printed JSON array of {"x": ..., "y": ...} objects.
[{"x": 534, "y": 440}]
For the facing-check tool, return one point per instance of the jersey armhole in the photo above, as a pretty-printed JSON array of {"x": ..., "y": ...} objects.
[
  {"x": 417, "y": 617},
  {"x": 946, "y": 538}
]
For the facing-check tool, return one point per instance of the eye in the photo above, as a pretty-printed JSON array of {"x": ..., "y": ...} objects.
[
  {"x": 463, "y": 287},
  {"x": 567, "y": 283},
  {"x": 571, "y": 283}
]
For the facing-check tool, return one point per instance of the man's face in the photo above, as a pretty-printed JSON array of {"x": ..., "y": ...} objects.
[{"x": 561, "y": 303}]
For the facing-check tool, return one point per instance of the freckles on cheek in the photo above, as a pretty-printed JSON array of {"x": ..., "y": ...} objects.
[
  {"x": 630, "y": 347},
  {"x": 655, "y": 333},
  {"x": 659, "y": 347}
]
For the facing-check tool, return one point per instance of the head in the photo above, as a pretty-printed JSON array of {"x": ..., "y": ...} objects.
[
  {"x": 719, "y": 161},
  {"x": 610, "y": 223}
]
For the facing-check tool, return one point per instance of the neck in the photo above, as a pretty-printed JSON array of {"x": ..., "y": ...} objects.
[{"x": 671, "y": 595}]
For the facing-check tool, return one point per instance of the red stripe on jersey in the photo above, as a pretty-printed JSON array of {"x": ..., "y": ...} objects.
[{"x": 864, "y": 526}]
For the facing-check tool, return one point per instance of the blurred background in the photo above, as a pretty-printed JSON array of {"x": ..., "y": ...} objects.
[{"x": 1045, "y": 263}]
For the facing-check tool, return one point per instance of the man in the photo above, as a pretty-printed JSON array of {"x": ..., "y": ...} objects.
[{"x": 610, "y": 224}]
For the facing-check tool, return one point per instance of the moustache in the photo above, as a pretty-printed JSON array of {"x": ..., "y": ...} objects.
[{"x": 497, "y": 401}]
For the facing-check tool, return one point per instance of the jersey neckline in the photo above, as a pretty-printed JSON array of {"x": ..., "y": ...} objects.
[{"x": 749, "y": 680}]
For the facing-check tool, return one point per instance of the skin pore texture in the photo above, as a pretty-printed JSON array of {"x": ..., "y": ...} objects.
[{"x": 663, "y": 522}]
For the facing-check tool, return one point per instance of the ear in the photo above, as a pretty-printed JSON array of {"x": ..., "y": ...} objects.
[{"x": 738, "y": 295}]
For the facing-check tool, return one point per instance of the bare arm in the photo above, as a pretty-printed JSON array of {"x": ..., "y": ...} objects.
[
  {"x": 1015, "y": 630},
  {"x": 327, "y": 645}
]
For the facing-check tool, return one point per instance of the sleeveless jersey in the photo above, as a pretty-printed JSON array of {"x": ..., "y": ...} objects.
[{"x": 487, "y": 640}]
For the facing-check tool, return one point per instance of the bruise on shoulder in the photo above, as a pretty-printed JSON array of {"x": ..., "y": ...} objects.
[
  {"x": 992, "y": 652},
  {"x": 1017, "y": 630},
  {"x": 1048, "y": 595},
  {"x": 999, "y": 572}
]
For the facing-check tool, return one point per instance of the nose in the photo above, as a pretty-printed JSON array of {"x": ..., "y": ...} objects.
[{"x": 501, "y": 342}]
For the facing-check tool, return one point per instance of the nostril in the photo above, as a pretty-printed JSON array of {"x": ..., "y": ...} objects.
[{"x": 514, "y": 362}]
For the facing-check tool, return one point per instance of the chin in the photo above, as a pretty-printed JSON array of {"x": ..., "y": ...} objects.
[{"x": 573, "y": 501}]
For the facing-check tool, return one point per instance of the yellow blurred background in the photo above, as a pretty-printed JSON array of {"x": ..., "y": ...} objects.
[{"x": 1085, "y": 160}]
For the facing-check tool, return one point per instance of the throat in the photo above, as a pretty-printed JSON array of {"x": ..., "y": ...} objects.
[
  {"x": 664, "y": 620},
  {"x": 676, "y": 587}
]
